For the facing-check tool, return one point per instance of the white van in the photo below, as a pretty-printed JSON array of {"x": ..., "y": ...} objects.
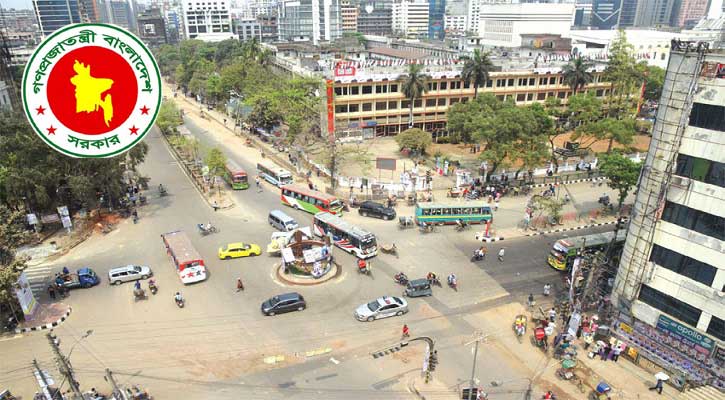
[
  {"x": 117, "y": 276},
  {"x": 282, "y": 221}
]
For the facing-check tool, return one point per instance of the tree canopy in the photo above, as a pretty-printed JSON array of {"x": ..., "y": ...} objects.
[
  {"x": 475, "y": 70},
  {"x": 414, "y": 85},
  {"x": 414, "y": 139},
  {"x": 621, "y": 172},
  {"x": 577, "y": 73},
  {"x": 654, "y": 80}
]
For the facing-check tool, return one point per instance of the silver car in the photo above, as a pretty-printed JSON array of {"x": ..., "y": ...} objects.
[
  {"x": 383, "y": 307},
  {"x": 129, "y": 273}
]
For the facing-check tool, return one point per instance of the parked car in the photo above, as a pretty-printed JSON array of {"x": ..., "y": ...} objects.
[
  {"x": 117, "y": 276},
  {"x": 284, "y": 303},
  {"x": 373, "y": 209},
  {"x": 239, "y": 249},
  {"x": 383, "y": 307}
]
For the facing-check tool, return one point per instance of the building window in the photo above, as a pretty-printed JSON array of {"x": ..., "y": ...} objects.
[
  {"x": 354, "y": 90},
  {"x": 405, "y": 104},
  {"x": 562, "y": 95},
  {"x": 511, "y": 82},
  {"x": 441, "y": 102},
  {"x": 541, "y": 96},
  {"x": 341, "y": 108},
  {"x": 454, "y": 100},
  {"x": 367, "y": 89},
  {"x": 532, "y": 81},
  {"x": 700, "y": 169},
  {"x": 500, "y": 82},
  {"x": 600, "y": 92},
  {"x": 430, "y": 102},
  {"x": 695, "y": 220},
  {"x": 338, "y": 91},
  {"x": 683, "y": 265},
  {"x": 521, "y": 97},
  {"x": 392, "y": 105},
  {"x": 523, "y": 81},
  {"x": 432, "y": 86},
  {"x": 418, "y": 103},
  {"x": 543, "y": 81},
  {"x": 353, "y": 108},
  {"x": 500, "y": 97},
  {"x": 381, "y": 88},
  {"x": 489, "y": 83},
  {"x": 381, "y": 105},
  {"x": 367, "y": 107},
  {"x": 665, "y": 303},
  {"x": 708, "y": 116},
  {"x": 393, "y": 87},
  {"x": 466, "y": 84},
  {"x": 444, "y": 85},
  {"x": 529, "y": 96},
  {"x": 716, "y": 328}
]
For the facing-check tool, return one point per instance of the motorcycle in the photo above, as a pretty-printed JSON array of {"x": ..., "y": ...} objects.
[
  {"x": 426, "y": 227},
  {"x": 11, "y": 324},
  {"x": 477, "y": 256},
  {"x": 433, "y": 280},
  {"x": 162, "y": 191},
  {"x": 453, "y": 283},
  {"x": 461, "y": 225},
  {"x": 152, "y": 287},
  {"x": 179, "y": 301},
  {"x": 363, "y": 267},
  {"x": 139, "y": 294},
  {"x": 206, "y": 229},
  {"x": 401, "y": 278}
]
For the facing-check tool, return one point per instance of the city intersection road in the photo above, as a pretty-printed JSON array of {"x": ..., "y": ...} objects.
[{"x": 220, "y": 346}]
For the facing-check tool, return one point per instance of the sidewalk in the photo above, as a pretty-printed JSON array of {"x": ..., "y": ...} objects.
[{"x": 47, "y": 316}]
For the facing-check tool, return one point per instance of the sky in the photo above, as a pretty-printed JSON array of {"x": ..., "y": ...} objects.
[{"x": 17, "y": 4}]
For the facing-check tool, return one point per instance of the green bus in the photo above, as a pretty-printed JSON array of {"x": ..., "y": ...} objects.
[
  {"x": 564, "y": 251},
  {"x": 302, "y": 198},
  {"x": 472, "y": 212},
  {"x": 235, "y": 176}
]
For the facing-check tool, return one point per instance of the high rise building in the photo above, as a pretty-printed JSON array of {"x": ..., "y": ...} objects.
[
  {"x": 55, "y": 14},
  {"x": 583, "y": 13},
  {"x": 349, "y": 11},
  {"x": 91, "y": 11},
  {"x": 656, "y": 13},
  {"x": 268, "y": 24},
  {"x": 310, "y": 20},
  {"x": 120, "y": 12},
  {"x": 628, "y": 13},
  {"x": 375, "y": 17},
  {"x": 691, "y": 12},
  {"x": 456, "y": 17},
  {"x": 474, "y": 12},
  {"x": 605, "y": 13},
  {"x": 503, "y": 24},
  {"x": 670, "y": 286},
  {"x": 411, "y": 17},
  {"x": 152, "y": 27},
  {"x": 209, "y": 20},
  {"x": 248, "y": 29},
  {"x": 436, "y": 19}
]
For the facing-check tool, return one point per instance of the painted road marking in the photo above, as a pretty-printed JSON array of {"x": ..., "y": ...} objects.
[{"x": 332, "y": 359}]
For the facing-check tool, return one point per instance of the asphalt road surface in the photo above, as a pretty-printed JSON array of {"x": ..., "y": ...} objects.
[{"x": 215, "y": 347}]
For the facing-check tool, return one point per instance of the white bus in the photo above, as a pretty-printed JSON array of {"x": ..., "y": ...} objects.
[
  {"x": 274, "y": 175},
  {"x": 345, "y": 235}
]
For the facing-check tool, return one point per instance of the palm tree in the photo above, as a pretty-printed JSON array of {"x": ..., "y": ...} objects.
[
  {"x": 414, "y": 85},
  {"x": 576, "y": 74},
  {"x": 476, "y": 69}
]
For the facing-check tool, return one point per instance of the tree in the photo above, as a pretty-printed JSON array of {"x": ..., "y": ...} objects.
[
  {"x": 621, "y": 172},
  {"x": 169, "y": 117},
  {"x": 476, "y": 69},
  {"x": 265, "y": 113},
  {"x": 612, "y": 130},
  {"x": 414, "y": 85},
  {"x": 551, "y": 206},
  {"x": 414, "y": 139},
  {"x": 625, "y": 76},
  {"x": 216, "y": 161},
  {"x": 654, "y": 79},
  {"x": 576, "y": 73},
  {"x": 12, "y": 236}
]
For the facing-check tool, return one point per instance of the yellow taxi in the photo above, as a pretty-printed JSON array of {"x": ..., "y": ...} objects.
[{"x": 236, "y": 250}]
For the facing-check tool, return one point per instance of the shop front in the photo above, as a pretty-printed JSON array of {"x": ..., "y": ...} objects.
[{"x": 690, "y": 357}]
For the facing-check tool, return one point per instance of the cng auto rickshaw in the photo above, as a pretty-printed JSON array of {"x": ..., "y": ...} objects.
[{"x": 418, "y": 288}]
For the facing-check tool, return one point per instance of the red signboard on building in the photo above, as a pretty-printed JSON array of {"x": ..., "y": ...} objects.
[
  {"x": 345, "y": 69},
  {"x": 330, "y": 110}
]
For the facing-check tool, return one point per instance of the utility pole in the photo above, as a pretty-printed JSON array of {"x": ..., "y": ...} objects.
[
  {"x": 64, "y": 365},
  {"x": 479, "y": 338},
  {"x": 117, "y": 392}
]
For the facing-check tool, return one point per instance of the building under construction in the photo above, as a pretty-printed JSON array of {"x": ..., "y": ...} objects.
[{"x": 670, "y": 286}]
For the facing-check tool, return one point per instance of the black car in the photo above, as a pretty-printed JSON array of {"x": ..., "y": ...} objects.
[
  {"x": 373, "y": 209},
  {"x": 284, "y": 303}
]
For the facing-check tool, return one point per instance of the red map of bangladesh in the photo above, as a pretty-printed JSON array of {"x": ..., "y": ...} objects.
[{"x": 88, "y": 92}]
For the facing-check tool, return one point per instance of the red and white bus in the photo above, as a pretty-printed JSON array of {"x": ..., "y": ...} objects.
[
  {"x": 312, "y": 201},
  {"x": 189, "y": 264}
]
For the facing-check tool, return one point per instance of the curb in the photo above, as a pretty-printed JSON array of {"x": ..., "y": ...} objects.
[
  {"x": 571, "y": 229},
  {"x": 566, "y": 182},
  {"x": 489, "y": 239},
  {"x": 49, "y": 325}
]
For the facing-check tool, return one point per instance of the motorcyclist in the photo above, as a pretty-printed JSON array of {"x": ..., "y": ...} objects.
[
  {"x": 452, "y": 279},
  {"x": 400, "y": 277},
  {"x": 362, "y": 265},
  {"x": 431, "y": 277},
  {"x": 152, "y": 283},
  {"x": 137, "y": 285},
  {"x": 461, "y": 224},
  {"x": 208, "y": 226},
  {"x": 178, "y": 298},
  {"x": 66, "y": 271},
  {"x": 161, "y": 188},
  {"x": 549, "y": 395},
  {"x": 520, "y": 326}
]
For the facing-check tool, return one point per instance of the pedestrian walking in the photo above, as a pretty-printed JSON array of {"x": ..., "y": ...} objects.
[
  {"x": 495, "y": 205},
  {"x": 617, "y": 352},
  {"x": 552, "y": 315},
  {"x": 547, "y": 289},
  {"x": 258, "y": 182},
  {"x": 406, "y": 331},
  {"x": 51, "y": 291},
  {"x": 215, "y": 206},
  {"x": 603, "y": 352},
  {"x": 532, "y": 303},
  {"x": 240, "y": 285},
  {"x": 501, "y": 254},
  {"x": 658, "y": 386},
  {"x": 135, "y": 216},
  {"x": 309, "y": 185}
]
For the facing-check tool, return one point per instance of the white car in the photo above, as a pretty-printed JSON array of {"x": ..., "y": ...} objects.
[
  {"x": 383, "y": 307},
  {"x": 128, "y": 273}
]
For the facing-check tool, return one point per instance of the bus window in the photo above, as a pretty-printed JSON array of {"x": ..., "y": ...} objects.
[
  {"x": 466, "y": 211},
  {"x": 305, "y": 199},
  {"x": 285, "y": 192},
  {"x": 476, "y": 210},
  {"x": 446, "y": 211},
  {"x": 426, "y": 211},
  {"x": 436, "y": 211}
]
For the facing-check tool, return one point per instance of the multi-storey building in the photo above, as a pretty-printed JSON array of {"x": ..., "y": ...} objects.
[
  {"x": 5, "y": 98},
  {"x": 18, "y": 20},
  {"x": 411, "y": 17},
  {"x": 605, "y": 13},
  {"x": 670, "y": 286},
  {"x": 152, "y": 27},
  {"x": 268, "y": 25},
  {"x": 474, "y": 12},
  {"x": 309, "y": 20},
  {"x": 91, "y": 11},
  {"x": 248, "y": 29},
  {"x": 656, "y": 13},
  {"x": 627, "y": 13},
  {"x": 376, "y": 99},
  {"x": 375, "y": 17},
  {"x": 208, "y": 20},
  {"x": 503, "y": 24},
  {"x": 120, "y": 12},
  {"x": 55, "y": 14},
  {"x": 349, "y": 12},
  {"x": 691, "y": 12},
  {"x": 455, "y": 17}
]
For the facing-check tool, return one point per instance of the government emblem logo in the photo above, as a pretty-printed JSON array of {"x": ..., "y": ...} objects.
[{"x": 91, "y": 90}]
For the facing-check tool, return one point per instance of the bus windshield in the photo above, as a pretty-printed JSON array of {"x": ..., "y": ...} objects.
[
  {"x": 285, "y": 179},
  {"x": 335, "y": 204},
  {"x": 239, "y": 178},
  {"x": 558, "y": 255},
  {"x": 367, "y": 243}
]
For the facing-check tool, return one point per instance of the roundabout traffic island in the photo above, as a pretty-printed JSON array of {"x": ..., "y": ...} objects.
[{"x": 306, "y": 262}]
